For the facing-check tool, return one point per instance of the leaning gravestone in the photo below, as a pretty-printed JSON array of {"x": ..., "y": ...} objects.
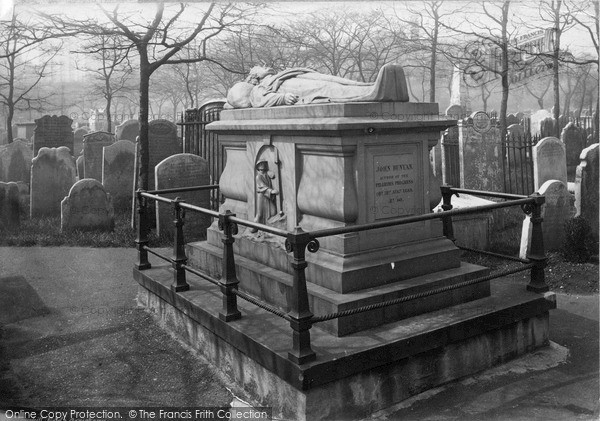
[
  {"x": 586, "y": 187},
  {"x": 52, "y": 175},
  {"x": 9, "y": 205},
  {"x": 87, "y": 207},
  {"x": 78, "y": 140},
  {"x": 183, "y": 170},
  {"x": 549, "y": 161},
  {"x": 93, "y": 144},
  {"x": 128, "y": 130},
  {"x": 15, "y": 162},
  {"x": 574, "y": 139},
  {"x": 117, "y": 172},
  {"x": 53, "y": 132}
]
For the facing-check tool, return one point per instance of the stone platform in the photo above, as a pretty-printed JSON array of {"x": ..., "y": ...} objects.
[
  {"x": 264, "y": 272},
  {"x": 360, "y": 373}
]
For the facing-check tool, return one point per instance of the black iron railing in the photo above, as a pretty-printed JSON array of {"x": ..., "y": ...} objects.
[{"x": 299, "y": 316}]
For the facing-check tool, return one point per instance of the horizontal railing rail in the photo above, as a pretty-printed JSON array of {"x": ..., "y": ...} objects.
[{"x": 299, "y": 316}]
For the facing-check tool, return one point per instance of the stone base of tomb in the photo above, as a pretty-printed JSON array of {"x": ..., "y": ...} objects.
[
  {"x": 369, "y": 278},
  {"x": 357, "y": 374}
]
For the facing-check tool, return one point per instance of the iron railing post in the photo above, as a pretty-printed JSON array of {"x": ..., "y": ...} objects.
[
  {"x": 537, "y": 254},
  {"x": 179, "y": 257},
  {"x": 446, "y": 206},
  {"x": 300, "y": 314},
  {"x": 142, "y": 233},
  {"x": 229, "y": 282}
]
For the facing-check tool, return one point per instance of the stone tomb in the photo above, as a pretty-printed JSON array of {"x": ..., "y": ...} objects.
[
  {"x": 87, "y": 207},
  {"x": 333, "y": 165},
  {"x": 118, "y": 164},
  {"x": 52, "y": 176},
  {"x": 183, "y": 170},
  {"x": 15, "y": 162},
  {"x": 93, "y": 145},
  {"x": 53, "y": 132},
  {"x": 586, "y": 187},
  {"x": 9, "y": 206},
  {"x": 549, "y": 161},
  {"x": 128, "y": 130}
]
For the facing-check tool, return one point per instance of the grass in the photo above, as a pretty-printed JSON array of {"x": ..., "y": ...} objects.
[{"x": 45, "y": 231}]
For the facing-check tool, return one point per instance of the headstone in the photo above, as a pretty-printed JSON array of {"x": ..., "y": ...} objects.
[
  {"x": 548, "y": 127},
  {"x": 183, "y": 170},
  {"x": 520, "y": 115},
  {"x": 515, "y": 130},
  {"x": 162, "y": 143},
  {"x": 536, "y": 121},
  {"x": 53, "y": 132},
  {"x": 558, "y": 208},
  {"x": 78, "y": 140},
  {"x": 117, "y": 172},
  {"x": 15, "y": 162},
  {"x": 480, "y": 159},
  {"x": 586, "y": 187},
  {"x": 52, "y": 176},
  {"x": 79, "y": 163},
  {"x": 87, "y": 207},
  {"x": 574, "y": 140},
  {"x": 455, "y": 111},
  {"x": 549, "y": 161},
  {"x": 128, "y": 130},
  {"x": 92, "y": 153},
  {"x": 512, "y": 119},
  {"x": 9, "y": 206}
]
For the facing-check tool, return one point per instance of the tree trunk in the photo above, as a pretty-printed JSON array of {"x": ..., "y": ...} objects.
[
  {"x": 108, "y": 115},
  {"x": 433, "y": 63},
  {"x": 504, "y": 76},
  {"x": 556, "y": 78},
  {"x": 143, "y": 178}
]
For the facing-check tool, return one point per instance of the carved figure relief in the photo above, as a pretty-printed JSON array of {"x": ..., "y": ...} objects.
[{"x": 268, "y": 207}]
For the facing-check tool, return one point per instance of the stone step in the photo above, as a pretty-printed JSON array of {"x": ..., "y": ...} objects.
[{"x": 275, "y": 287}]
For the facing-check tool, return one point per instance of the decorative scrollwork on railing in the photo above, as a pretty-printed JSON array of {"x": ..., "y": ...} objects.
[
  {"x": 528, "y": 208},
  {"x": 220, "y": 225},
  {"x": 233, "y": 228},
  {"x": 288, "y": 246},
  {"x": 313, "y": 245}
]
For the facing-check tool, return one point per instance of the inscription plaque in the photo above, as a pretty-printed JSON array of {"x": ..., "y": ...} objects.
[{"x": 394, "y": 185}]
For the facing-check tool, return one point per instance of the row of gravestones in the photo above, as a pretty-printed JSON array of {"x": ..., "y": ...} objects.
[
  {"x": 89, "y": 203},
  {"x": 550, "y": 175}
]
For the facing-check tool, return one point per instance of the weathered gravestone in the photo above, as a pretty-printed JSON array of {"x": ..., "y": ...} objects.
[
  {"x": 79, "y": 163},
  {"x": 87, "y": 207},
  {"x": 548, "y": 128},
  {"x": 128, "y": 130},
  {"x": 586, "y": 187},
  {"x": 93, "y": 144},
  {"x": 557, "y": 209},
  {"x": 117, "y": 172},
  {"x": 52, "y": 176},
  {"x": 480, "y": 159},
  {"x": 574, "y": 139},
  {"x": 53, "y": 132},
  {"x": 9, "y": 206},
  {"x": 15, "y": 162},
  {"x": 515, "y": 130},
  {"x": 183, "y": 170},
  {"x": 78, "y": 140},
  {"x": 549, "y": 161},
  {"x": 455, "y": 111}
]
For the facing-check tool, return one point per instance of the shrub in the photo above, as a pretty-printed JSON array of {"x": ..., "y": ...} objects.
[{"x": 579, "y": 244}]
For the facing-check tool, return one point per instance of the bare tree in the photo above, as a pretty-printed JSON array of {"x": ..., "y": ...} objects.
[
  {"x": 112, "y": 70},
  {"x": 158, "y": 42},
  {"x": 24, "y": 59}
]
